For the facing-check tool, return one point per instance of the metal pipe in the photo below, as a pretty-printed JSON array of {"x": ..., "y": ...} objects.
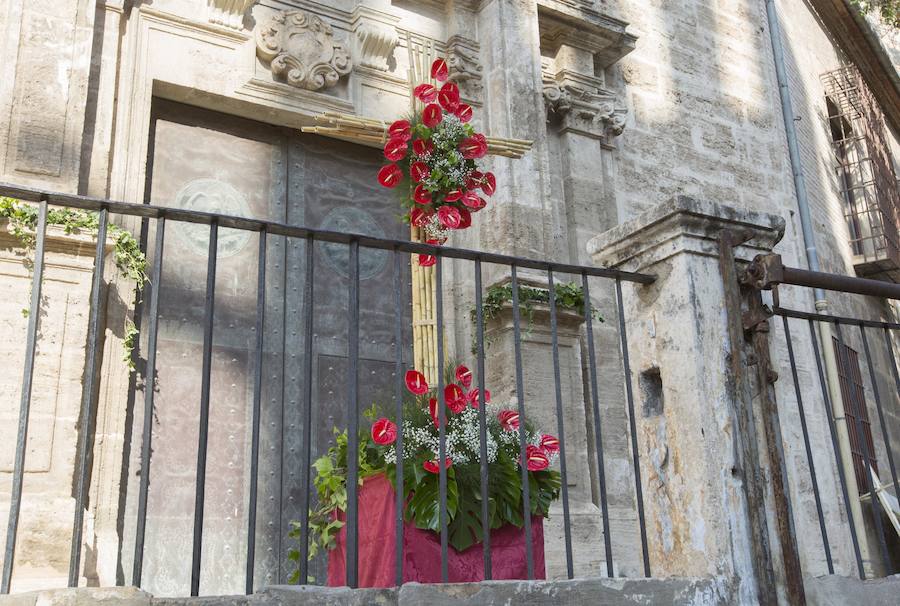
[
  {"x": 820, "y": 280},
  {"x": 812, "y": 257}
]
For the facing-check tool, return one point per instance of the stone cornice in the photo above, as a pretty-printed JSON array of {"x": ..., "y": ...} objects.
[
  {"x": 683, "y": 225},
  {"x": 603, "y": 36},
  {"x": 852, "y": 33}
]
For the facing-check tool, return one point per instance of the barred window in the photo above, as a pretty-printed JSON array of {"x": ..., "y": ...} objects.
[{"x": 853, "y": 395}]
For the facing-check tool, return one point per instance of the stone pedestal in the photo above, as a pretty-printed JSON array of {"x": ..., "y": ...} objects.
[
  {"x": 689, "y": 441},
  {"x": 48, "y": 506},
  {"x": 540, "y": 408}
]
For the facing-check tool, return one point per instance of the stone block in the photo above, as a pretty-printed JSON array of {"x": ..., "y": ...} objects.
[
  {"x": 834, "y": 590},
  {"x": 290, "y": 595}
]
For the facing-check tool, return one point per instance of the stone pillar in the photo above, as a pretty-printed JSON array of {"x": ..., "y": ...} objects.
[{"x": 696, "y": 481}]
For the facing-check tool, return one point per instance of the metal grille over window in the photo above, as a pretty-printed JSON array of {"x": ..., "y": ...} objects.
[
  {"x": 852, "y": 390},
  {"x": 865, "y": 174}
]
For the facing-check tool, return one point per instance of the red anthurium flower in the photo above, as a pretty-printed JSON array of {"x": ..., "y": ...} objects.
[
  {"x": 400, "y": 130},
  {"x": 465, "y": 218},
  {"x": 455, "y": 398},
  {"x": 550, "y": 444},
  {"x": 419, "y": 171},
  {"x": 421, "y": 195},
  {"x": 474, "y": 180},
  {"x": 448, "y": 97},
  {"x": 449, "y": 217},
  {"x": 489, "y": 184},
  {"x": 474, "y": 201},
  {"x": 432, "y": 115},
  {"x": 423, "y": 147},
  {"x": 535, "y": 458},
  {"x": 463, "y": 112},
  {"x": 426, "y": 93},
  {"x": 474, "y": 147},
  {"x": 416, "y": 383},
  {"x": 439, "y": 70},
  {"x": 390, "y": 175},
  {"x": 384, "y": 432},
  {"x": 432, "y": 466},
  {"x": 464, "y": 376},
  {"x": 475, "y": 397},
  {"x": 395, "y": 149},
  {"x": 453, "y": 195},
  {"x": 427, "y": 260},
  {"x": 432, "y": 410},
  {"x": 509, "y": 420},
  {"x": 418, "y": 217}
]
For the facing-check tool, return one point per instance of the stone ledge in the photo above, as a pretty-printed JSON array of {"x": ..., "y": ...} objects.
[
  {"x": 683, "y": 224},
  {"x": 834, "y": 590},
  {"x": 580, "y": 592}
]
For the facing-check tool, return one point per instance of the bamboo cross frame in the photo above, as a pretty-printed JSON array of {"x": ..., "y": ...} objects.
[{"x": 373, "y": 133}]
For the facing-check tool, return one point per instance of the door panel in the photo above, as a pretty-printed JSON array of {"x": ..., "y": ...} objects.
[{"x": 212, "y": 162}]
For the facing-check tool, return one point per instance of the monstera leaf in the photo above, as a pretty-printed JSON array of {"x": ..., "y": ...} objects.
[
  {"x": 466, "y": 528},
  {"x": 424, "y": 506}
]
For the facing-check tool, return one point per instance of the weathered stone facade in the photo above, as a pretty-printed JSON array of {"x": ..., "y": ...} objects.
[{"x": 629, "y": 103}]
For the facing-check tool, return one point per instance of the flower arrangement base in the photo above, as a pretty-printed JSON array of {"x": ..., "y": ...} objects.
[{"x": 422, "y": 548}]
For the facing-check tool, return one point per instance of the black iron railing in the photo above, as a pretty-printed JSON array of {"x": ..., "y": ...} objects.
[{"x": 399, "y": 250}]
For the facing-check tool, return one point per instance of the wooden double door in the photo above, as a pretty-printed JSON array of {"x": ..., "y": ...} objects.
[{"x": 213, "y": 162}]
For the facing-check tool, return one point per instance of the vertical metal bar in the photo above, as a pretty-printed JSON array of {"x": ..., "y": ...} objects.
[
  {"x": 857, "y": 407},
  {"x": 306, "y": 457},
  {"x": 482, "y": 426},
  {"x": 398, "y": 397},
  {"x": 86, "y": 443},
  {"x": 560, "y": 429},
  {"x": 520, "y": 396},
  {"x": 829, "y": 412},
  {"x": 884, "y": 432},
  {"x": 25, "y": 401},
  {"x": 809, "y": 456},
  {"x": 890, "y": 348},
  {"x": 352, "y": 566},
  {"x": 598, "y": 436},
  {"x": 149, "y": 391},
  {"x": 629, "y": 395},
  {"x": 205, "y": 384},
  {"x": 257, "y": 405},
  {"x": 442, "y": 418}
]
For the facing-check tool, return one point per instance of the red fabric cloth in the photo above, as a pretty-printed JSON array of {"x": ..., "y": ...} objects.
[{"x": 422, "y": 548}]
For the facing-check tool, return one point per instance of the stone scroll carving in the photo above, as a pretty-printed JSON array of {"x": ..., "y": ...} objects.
[
  {"x": 302, "y": 50},
  {"x": 582, "y": 106},
  {"x": 229, "y": 13},
  {"x": 465, "y": 67}
]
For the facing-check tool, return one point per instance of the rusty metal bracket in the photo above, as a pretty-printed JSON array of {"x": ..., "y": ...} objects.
[{"x": 764, "y": 272}]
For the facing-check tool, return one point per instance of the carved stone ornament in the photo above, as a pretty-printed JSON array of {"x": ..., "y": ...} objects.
[
  {"x": 376, "y": 38},
  {"x": 583, "y": 107},
  {"x": 465, "y": 68},
  {"x": 302, "y": 50},
  {"x": 229, "y": 13}
]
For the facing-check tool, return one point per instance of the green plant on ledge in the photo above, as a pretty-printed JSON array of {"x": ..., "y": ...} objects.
[
  {"x": 569, "y": 296},
  {"x": 23, "y": 219}
]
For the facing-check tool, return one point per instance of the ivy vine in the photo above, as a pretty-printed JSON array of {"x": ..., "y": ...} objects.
[
  {"x": 23, "y": 219},
  {"x": 569, "y": 295},
  {"x": 888, "y": 9}
]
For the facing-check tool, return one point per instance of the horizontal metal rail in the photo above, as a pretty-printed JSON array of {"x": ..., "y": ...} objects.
[
  {"x": 805, "y": 315},
  {"x": 282, "y": 229},
  {"x": 768, "y": 270}
]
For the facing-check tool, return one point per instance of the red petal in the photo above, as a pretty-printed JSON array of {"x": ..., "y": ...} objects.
[
  {"x": 390, "y": 175},
  {"x": 474, "y": 201},
  {"x": 432, "y": 115},
  {"x": 426, "y": 93},
  {"x": 453, "y": 196},
  {"x": 449, "y": 97},
  {"x": 421, "y": 195},
  {"x": 427, "y": 260},
  {"x": 464, "y": 112},
  {"x": 439, "y": 70},
  {"x": 422, "y": 147},
  {"x": 465, "y": 219},
  {"x": 464, "y": 376},
  {"x": 419, "y": 171},
  {"x": 449, "y": 217},
  {"x": 395, "y": 149},
  {"x": 400, "y": 130},
  {"x": 416, "y": 383},
  {"x": 489, "y": 184}
]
